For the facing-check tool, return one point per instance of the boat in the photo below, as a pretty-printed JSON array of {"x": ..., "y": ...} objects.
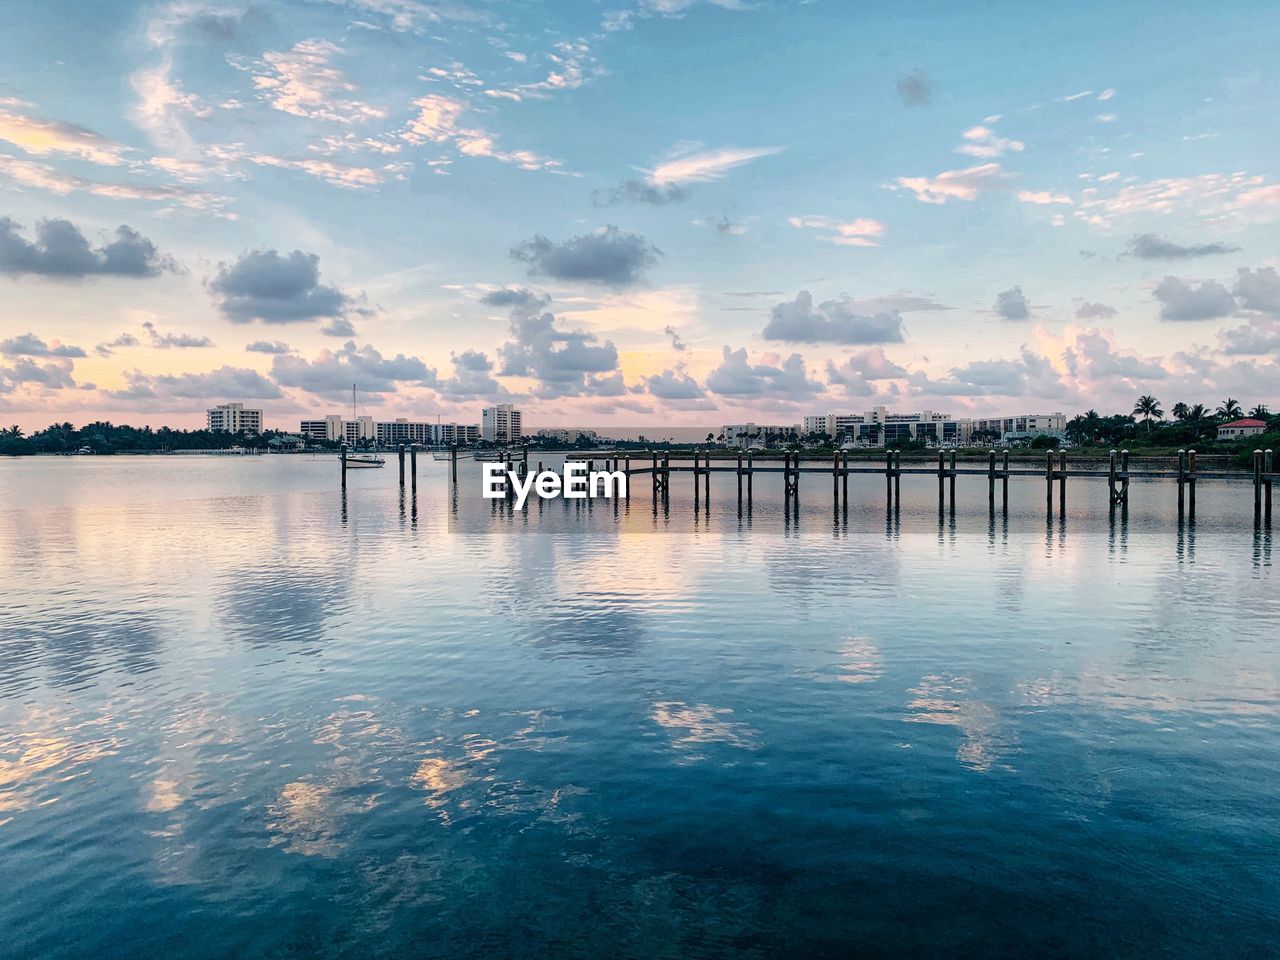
[{"x": 359, "y": 461}]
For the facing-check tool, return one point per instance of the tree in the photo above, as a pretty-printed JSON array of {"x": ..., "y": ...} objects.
[
  {"x": 1180, "y": 411},
  {"x": 1196, "y": 417},
  {"x": 1148, "y": 407},
  {"x": 1230, "y": 409},
  {"x": 1260, "y": 412}
]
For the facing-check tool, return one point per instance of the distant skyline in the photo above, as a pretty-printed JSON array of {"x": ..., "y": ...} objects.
[{"x": 678, "y": 212}]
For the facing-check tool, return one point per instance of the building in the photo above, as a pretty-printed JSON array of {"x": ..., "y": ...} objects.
[
  {"x": 878, "y": 426},
  {"x": 501, "y": 424},
  {"x": 330, "y": 428},
  {"x": 359, "y": 431},
  {"x": 1248, "y": 427},
  {"x": 233, "y": 418},
  {"x": 746, "y": 435},
  {"x": 568, "y": 435},
  {"x": 1024, "y": 426}
]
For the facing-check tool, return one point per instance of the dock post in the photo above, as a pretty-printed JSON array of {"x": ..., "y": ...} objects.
[
  {"x": 1004, "y": 482},
  {"x": 1268, "y": 467},
  {"x": 1182, "y": 483},
  {"x": 1048, "y": 479},
  {"x": 696, "y": 455},
  {"x": 666, "y": 477},
  {"x": 835, "y": 477},
  {"x": 844, "y": 477},
  {"x": 739, "y": 476},
  {"x": 706, "y": 484},
  {"x": 524, "y": 461},
  {"x": 413, "y": 467},
  {"x": 344, "y": 466},
  {"x": 991, "y": 480},
  {"x": 1111, "y": 476},
  {"x": 1191, "y": 484},
  {"x": 942, "y": 471},
  {"x": 1257, "y": 485},
  {"x": 953, "y": 481},
  {"x": 897, "y": 479},
  {"x": 888, "y": 476},
  {"x": 453, "y": 464},
  {"x": 400, "y": 450},
  {"x": 1062, "y": 482},
  {"x": 1124, "y": 482},
  {"x": 751, "y": 472}
]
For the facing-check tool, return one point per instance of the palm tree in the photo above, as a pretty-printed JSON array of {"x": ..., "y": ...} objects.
[
  {"x": 1230, "y": 409},
  {"x": 1146, "y": 408},
  {"x": 1260, "y": 412},
  {"x": 1196, "y": 416},
  {"x": 1180, "y": 410}
]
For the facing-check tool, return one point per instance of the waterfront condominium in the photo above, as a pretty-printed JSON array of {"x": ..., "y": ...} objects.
[
  {"x": 501, "y": 424},
  {"x": 878, "y": 425},
  {"x": 233, "y": 418},
  {"x": 1023, "y": 426}
]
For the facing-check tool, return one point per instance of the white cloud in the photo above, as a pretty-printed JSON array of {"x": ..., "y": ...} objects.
[
  {"x": 41, "y": 137},
  {"x": 983, "y": 143},
  {"x": 954, "y": 184},
  {"x": 705, "y": 165},
  {"x": 862, "y": 232},
  {"x": 301, "y": 81},
  {"x": 1043, "y": 197}
]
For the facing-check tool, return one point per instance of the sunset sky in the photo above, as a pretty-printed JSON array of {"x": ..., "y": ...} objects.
[{"x": 677, "y": 212}]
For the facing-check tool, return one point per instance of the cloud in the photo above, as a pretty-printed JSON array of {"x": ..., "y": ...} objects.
[
  {"x": 437, "y": 122},
  {"x": 676, "y": 343},
  {"x": 1260, "y": 336},
  {"x": 1259, "y": 289},
  {"x": 693, "y": 165},
  {"x": 1011, "y": 304},
  {"x": 40, "y": 137},
  {"x": 1043, "y": 197},
  {"x": 272, "y": 347},
  {"x": 1094, "y": 311},
  {"x": 863, "y": 232},
  {"x": 338, "y": 327},
  {"x": 638, "y": 191},
  {"x": 263, "y": 285},
  {"x": 1180, "y": 300},
  {"x": 1094, "y": 358},
  {"x": 954, "y": 184},
  {"x": 515, "y": 298},
  {"x": 896, "y": 303},
  {"x": 564, "y": 362},
  {"x": 472, "y": 379},
  {"x": 608, "y": 256},
  {"x": 1031, "y": 375},
  {"x": 224, "y": 382},
  {"x": 110, "y": 347},
  {"x": 915, "y": 89},
  {"x": 303, "y": 82},
  {"x": 44, "y": 177},
  {"x": 335, "y": 174},
  {"x": 1148, "y": 246},
  {"x": 833, "y": 321},
  {"x": 859, "y": 372},
  {"x": 29, "y": 345},
  {"x": 674, "y": 385},
  {"x": 334, "y": 371},
  {"x": 61, "y": 251},
  {"x": 54, "y": 374},
  {"x": 983, "y": 143},
  {"x": 787, "y": 379},
  {"x": 180, "y": 341}
]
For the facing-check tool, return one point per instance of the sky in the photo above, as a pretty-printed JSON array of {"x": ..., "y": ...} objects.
[{"x": 665, "y": 212}]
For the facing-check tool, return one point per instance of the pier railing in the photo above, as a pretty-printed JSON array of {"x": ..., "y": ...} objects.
[{"x": 1118, "y": 470}]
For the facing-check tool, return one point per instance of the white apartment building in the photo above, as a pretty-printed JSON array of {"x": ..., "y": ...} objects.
[
  {"x": 878, "y": 426},
  {"x": 358, "y": 431},
  {"x": 568, "y": 435},
  {"x": 1023, "y": 426},
  {"x": 745, "y": 435},
  {"x": 501, "y": 424},
  {"x": 233, "y": 418},
  {"x": 330, "y": 428},
  {"x": 388, "y": 432}
]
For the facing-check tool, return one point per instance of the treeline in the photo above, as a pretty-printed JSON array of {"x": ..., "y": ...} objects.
[{"x": 106, "y": 438}]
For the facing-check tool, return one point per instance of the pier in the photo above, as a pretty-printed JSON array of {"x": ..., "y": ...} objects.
[{"x": 998, "y": 472}]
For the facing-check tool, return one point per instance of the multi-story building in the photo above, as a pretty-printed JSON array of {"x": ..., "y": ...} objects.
[
  {"x": 233, "y": 418},
  {"x": 359, "y": 431},
  {"x": 330, "y": 428},
  {"x": 756, "y": 434},
  {"x": 501, "y": 424},
  {"x": 1023, "y": 426},
  {"x": 568, "y": 435},
  {"x": 879, "y": 426}
]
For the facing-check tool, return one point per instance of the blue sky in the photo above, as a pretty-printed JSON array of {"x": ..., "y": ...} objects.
[{"x": 674, "y": 211}]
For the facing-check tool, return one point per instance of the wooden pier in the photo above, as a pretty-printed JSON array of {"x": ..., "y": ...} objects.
[{"x": 998, "y": 472}]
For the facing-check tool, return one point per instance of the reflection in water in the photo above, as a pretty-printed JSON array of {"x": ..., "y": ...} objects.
[{"x": 246, "y": 712}]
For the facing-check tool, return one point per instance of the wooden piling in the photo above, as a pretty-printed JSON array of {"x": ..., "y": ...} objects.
[
  {"x": 1268, "y": 467},
  {"x": 888, "y": 476},
  {"x": 1257, "y": 486},
  {"x": 1182, "y": 483},
  {"x": 344, "y": 466},
  {"x": 1004, "y": 483},
  {"x": 751, "y": 471},
  {"x": 942, "y": 471},
  {"x": 835, "y": 477},
  {"x": 991, "y": 480},
  {"x": 1191, "y": 484},
  {"x": 400, "y": 450},
  {"x": 413, "y": 468},
  {"x": 897, "y": 478},
  {"x": 453, "y": 464},
  {"x": 953, "y": 481},
  {"x": 1124, "y": 481},
  {"x": 1048, "y": 479},
  {"x": 1111, "y": 476},
  {"x": 1062, "y": 483}
]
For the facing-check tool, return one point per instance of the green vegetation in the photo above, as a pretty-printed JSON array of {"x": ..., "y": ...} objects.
[{"x": 105, "y": 438}]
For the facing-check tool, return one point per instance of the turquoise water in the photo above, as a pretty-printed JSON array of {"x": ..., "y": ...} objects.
[{"x": 242, "y": 715}]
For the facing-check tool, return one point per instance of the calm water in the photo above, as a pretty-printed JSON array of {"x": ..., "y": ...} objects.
[{"x": 243, "y": 716}]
